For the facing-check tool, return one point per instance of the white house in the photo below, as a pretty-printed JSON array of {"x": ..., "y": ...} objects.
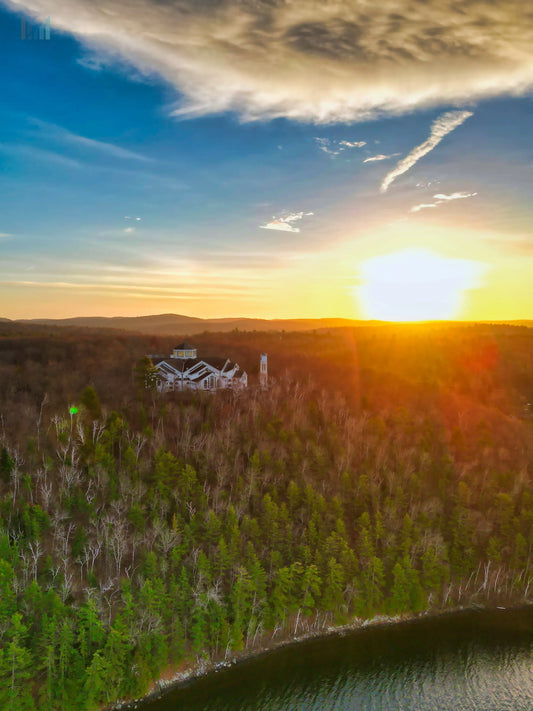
[{"x": 183, "y": 370}]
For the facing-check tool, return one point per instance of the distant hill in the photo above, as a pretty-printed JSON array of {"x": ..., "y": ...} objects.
[
  {"x": 159, "y": 324},
  {"x": 173, "y": 324},
  {"x": 169, "y": 324}
]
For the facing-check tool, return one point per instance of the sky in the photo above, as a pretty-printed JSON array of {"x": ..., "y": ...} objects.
[{"x": 266, "y": 158}]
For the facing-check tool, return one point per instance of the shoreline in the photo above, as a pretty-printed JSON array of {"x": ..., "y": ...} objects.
[{"x": 192, "y": 672}]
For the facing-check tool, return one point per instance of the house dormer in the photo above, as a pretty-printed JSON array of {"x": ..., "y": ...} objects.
[{"x": 184, "y": 350}]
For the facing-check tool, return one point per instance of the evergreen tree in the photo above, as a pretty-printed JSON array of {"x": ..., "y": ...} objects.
[
  {"x": 16, "y": 668},
  {"x": 401, "y": 590},
  {"x": 6, "y": 465},
  {"x": 90, "y": 401}
]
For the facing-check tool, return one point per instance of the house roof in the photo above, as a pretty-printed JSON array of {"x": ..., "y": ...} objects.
[
  {"x": 195, "y": 365},
  {"x": 179, "y": 364},
  {"x": 185, "y": 347}
]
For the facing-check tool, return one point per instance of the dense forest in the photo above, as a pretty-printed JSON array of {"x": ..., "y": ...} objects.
[{"x": 386, "y": 470}]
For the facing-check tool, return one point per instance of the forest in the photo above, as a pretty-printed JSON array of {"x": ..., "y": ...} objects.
[{"x": 386, "y": 470}]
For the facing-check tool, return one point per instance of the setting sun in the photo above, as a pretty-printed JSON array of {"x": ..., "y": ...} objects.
[{"x": 415, "y": 285}]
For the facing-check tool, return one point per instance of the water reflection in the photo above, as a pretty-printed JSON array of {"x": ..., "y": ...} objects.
[{"x": 474, "y": 661}]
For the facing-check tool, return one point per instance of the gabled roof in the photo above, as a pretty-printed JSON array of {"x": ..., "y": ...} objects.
[
  {"x": 163, "y": 364},
  {"x": 193, "y": 367},
  {"x": 218, "y": 363},
  {"x": 180, "y": 365}
]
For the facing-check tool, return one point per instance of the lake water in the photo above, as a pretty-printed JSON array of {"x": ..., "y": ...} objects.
[{"x": 467, "y": 661}]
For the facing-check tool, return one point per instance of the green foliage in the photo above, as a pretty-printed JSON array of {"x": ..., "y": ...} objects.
[
  {"x": 6, "y": 465},
  {"x": 191, "y": 527},
  {"x": 400, "y": 593},
  {"x": 16, "y": 668},
  {"x": 145, "y": 374},
  {"x": 91, "y": 403}
]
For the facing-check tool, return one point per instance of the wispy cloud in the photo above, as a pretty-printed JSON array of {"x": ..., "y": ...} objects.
[
  {"x": 441, "y": 198},
  {"x": 372, "y": 159},
  {"x": 32, "y": 153},
  {"x": 90, "y": 61},
  {"x": 61, "y": 135},
  {"x": 444, "y": 125},
  {"x": 352, "y": 144},
  {"x": 284, "y": 224},
  {"x": 308, "y": 60},
  {"x": 333, "y": 147},
  {"x": 454, "y": 196},
  {"x": 193, "y": 291},
  {"x": 108, "y": 148},
  {"x": 422, "y": 206}
]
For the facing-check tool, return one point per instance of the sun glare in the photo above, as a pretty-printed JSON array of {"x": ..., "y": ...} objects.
[{"x": 415, "y": 285}]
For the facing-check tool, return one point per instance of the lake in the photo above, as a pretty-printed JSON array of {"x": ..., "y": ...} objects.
[{"x": 465, "y": 661}]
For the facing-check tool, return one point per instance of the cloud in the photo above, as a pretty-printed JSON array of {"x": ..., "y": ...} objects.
[
  {"x": 454, "y": 196},
  {"x": 333, "y": 147},
  {"x": 108, "y": 148},
  {"x": 308, "y": 60},
  {"x": 90, "y": 62},
  {"x": 442, "y": 198},
  {"x": 284, "y": 223},
  {"x": 427, "y": 184},
  {"x": 279, "y": 225},
  {"x": 441, "y": 127},
  {"x": 323, "y": 144},
  {"x": 371, "y": 159},
  {"x": 352, "y": 144},
  {"x": 5, "y": 234},
  {"x": 62, "y": 135},
  {"x": 32, "y": 153},
  {"x": 422, "y": 206}
]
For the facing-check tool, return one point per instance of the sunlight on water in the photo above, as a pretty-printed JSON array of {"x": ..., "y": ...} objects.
[{"x": 465, "y": 662}]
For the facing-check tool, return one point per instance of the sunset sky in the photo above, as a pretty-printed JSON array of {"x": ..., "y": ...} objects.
[{"x": 267, "y": 158}]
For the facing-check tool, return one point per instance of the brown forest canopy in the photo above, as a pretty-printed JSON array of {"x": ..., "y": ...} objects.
[
  {"x": 386, "y": 470},
  {"x": 460, "y": 374}
]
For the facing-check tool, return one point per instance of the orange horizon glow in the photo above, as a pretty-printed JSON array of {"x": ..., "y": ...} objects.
[{"x": 379, "y": 273}]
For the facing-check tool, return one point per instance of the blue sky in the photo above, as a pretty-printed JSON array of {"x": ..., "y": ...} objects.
[{"x": 125, "y": 191}]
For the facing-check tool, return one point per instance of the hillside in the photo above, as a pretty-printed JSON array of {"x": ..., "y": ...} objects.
[
  {"x": 387, "y": 470},
  {"x": 175, "y": 324},
  {"x": 166, "y": 324}
]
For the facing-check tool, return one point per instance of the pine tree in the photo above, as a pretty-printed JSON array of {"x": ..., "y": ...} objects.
[
  {"x": 333, "y": 599},
  {"x": 400, "y": 593},
  {"x": 310, "y": 589},
  {"x": 97, "y": 681},
  {"x": 8, "y": 601},
  {"x": 90, "y": 401},
  {"x": 16, "y": 669}
]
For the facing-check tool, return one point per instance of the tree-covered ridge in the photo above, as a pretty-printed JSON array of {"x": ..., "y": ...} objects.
[{"x": 169, "y": 529}]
